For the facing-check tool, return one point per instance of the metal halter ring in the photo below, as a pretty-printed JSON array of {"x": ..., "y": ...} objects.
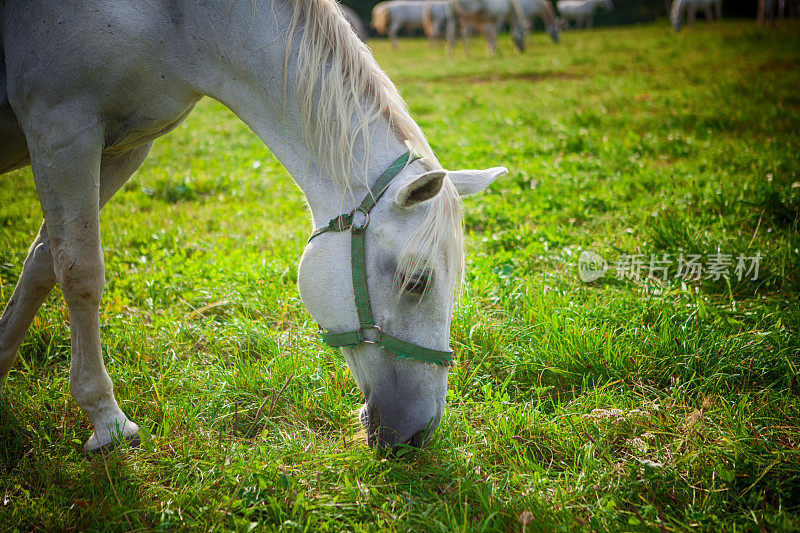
[
  {"x": 375, "y": 328},
  {"x": 355, "y": 226}
]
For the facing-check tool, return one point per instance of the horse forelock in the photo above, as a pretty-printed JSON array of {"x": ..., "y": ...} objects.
[
  {"x": 441, "y": 232},
  {"x": 337, "y": 115}
]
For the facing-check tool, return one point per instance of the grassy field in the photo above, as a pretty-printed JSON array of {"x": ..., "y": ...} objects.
[{"x": 622, "y": 404}]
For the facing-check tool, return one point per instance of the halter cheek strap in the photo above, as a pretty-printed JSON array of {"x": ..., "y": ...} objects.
[{"x": 368, "y": 332}]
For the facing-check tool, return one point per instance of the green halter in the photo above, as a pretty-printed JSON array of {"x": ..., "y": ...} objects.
[{"x": 357, "y": 221}]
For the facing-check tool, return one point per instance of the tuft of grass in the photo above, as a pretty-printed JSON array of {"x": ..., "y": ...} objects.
[{"x": 623, "y": 404}]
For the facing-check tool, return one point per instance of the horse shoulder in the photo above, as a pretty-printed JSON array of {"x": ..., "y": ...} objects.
[{"x": 118, "y": 65}]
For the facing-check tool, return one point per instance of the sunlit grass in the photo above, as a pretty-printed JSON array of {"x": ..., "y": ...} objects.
[{"x": 612, "y": 405}]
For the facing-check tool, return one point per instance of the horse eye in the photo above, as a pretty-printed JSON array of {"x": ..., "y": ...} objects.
[{"x": 417, "y": 283}]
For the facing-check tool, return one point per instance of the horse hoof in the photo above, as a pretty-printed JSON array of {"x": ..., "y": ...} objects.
[
  {"x": 129, "y": 434},
  {"x": 92, "y": 445},
  {"x": 133, "y": 442}
]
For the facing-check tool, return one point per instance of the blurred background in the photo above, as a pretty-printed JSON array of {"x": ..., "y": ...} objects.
[{"x": 625, "y": 12}]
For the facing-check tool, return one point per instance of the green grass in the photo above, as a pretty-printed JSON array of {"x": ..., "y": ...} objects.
[{"x": 621, "y": 141}]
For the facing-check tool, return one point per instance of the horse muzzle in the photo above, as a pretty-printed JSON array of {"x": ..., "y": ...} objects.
[{"x": 390, "y": 429}]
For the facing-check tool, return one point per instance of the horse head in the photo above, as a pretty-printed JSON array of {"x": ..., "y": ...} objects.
[
  {"x": 413, "y": 254},
  {"x": 554, "y": 33}
]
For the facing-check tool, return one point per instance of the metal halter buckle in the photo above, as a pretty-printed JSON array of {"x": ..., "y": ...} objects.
[
  {"x": 341, "y": 223},
  {"x": 375, "y": 328}
]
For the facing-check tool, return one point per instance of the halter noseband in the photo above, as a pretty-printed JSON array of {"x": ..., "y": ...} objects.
[{"x": 368, "y": 332}]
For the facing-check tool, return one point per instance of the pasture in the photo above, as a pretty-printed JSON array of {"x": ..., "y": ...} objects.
[{"x": 621, "y": 404}]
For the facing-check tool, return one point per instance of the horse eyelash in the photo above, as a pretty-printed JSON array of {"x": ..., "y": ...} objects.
[{"x": 417, "y": 283}]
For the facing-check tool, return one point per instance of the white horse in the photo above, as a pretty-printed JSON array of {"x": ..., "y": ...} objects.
[
  {"x": 437, "y": 15},
  {"x": 766, "y": 9},
  {"x": 532, "y": 9},
  {"x": 82, "y": 100},
  {"x": 487, "y": 15},
  {"x": 582, "y": 12},
  {"x": 687, "y": 9},
  {"x": 394, "y": 15}
]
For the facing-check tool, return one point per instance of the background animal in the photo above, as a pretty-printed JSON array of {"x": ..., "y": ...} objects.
[
  {"x": 581, "y": 12},
  {"x": 438, "y": 20},
  {"x": 686, "y": 10},
  {"x": 533, "y": 9},
  {"x": 486, "y": 16},
  {"x": 767, "y": 9},
  {"x": 392, "y": 16}
]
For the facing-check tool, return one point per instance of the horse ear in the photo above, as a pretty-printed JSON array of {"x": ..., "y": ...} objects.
[
  {"x": 421, "y": 188},
  {"x": 470, "y": 182}
]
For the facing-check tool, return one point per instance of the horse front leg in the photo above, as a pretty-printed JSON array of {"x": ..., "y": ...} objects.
[
  {"x": 66, "y": 164},
  {"x": 517, "y": 35},
  {"x": 38, "y": 277}
]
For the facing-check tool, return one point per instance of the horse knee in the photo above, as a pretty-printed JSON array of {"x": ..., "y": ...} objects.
[
  {"x": 38, "y": 268},
  {"x": 81, "y": 276}
]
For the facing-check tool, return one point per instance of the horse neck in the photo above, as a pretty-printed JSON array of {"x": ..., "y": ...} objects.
[{"x": 243, "y": 61}]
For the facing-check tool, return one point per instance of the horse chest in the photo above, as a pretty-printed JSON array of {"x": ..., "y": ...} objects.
[
  {"x": 13, "y": 148},
  {"x": 125, "y": 133}
]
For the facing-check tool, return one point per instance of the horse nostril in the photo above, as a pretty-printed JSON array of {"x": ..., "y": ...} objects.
[{"x": 415, "y": 441}]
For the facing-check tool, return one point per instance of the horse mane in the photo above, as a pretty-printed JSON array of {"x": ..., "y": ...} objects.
[{"x": 342, "y": 93}]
